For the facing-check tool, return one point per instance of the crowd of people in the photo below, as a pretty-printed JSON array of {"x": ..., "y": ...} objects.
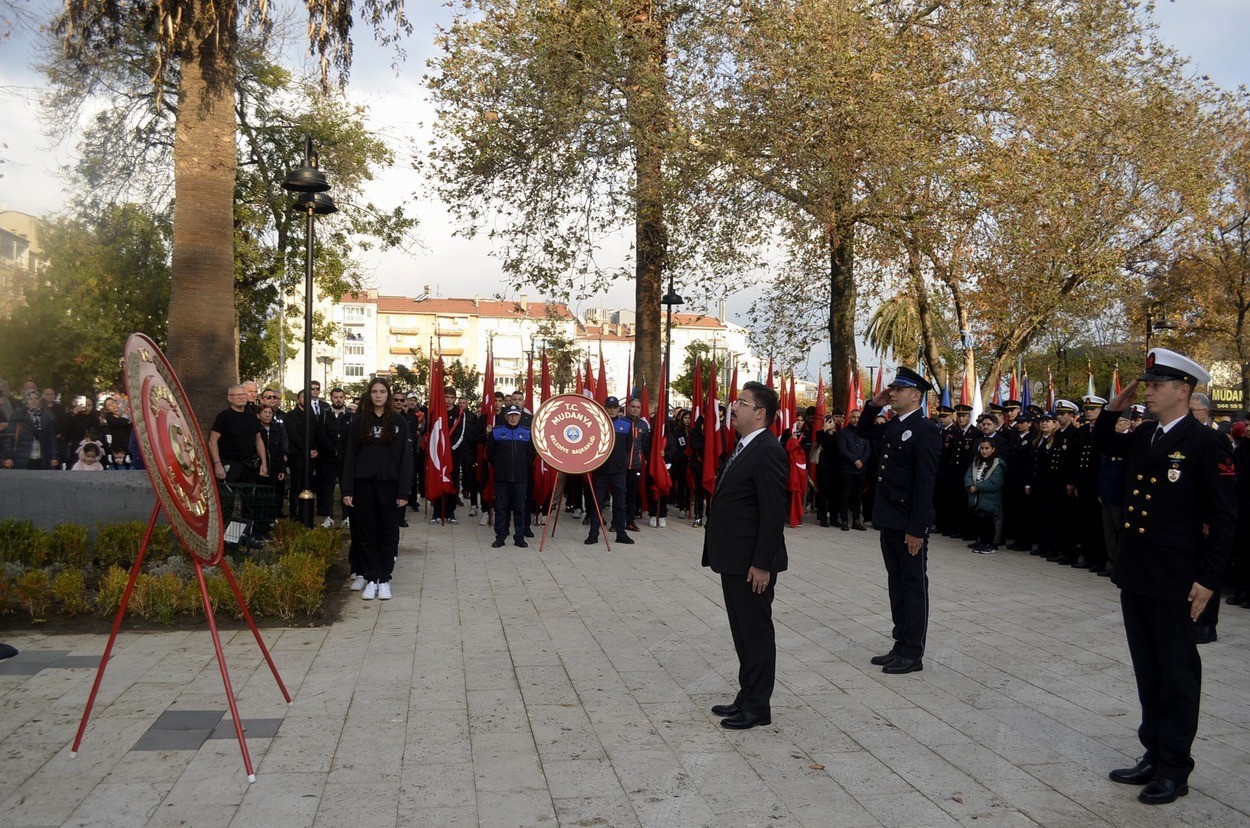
[{"x": 89, "y": 433}]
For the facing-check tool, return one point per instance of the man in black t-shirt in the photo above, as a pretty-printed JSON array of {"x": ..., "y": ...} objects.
[{"x": 236, "y": 447}]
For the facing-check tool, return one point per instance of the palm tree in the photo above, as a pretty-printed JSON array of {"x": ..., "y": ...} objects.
[{"x": 193, "y": 46}]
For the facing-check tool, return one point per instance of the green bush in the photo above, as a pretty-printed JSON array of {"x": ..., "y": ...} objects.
[
  {"x": 6, "y": 594},
  {"x": 21, "y": 542},
  {"x": 69, "y": 546},
  {"x": 33, "y": 592},
  {"x": 322, "y": 544},
  {"x": 257, "y": 588},
  {"x": 119, "y": 543},
  {"x": 70, "y": 588},
  {"x": 299, "y": 582},
  {"x": 164, "y": 597},
  {"x": 112, "y": 586},
  {"x": 284, "y": 533}
]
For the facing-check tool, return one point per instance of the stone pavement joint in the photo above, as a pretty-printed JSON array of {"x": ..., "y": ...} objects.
[{"x": 573, "y": 687}]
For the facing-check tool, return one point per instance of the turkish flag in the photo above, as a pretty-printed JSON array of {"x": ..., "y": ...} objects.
[{"x": 438, "y": 480}]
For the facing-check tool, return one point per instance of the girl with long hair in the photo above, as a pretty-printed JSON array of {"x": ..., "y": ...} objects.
[{"x": 377, "y": 476}]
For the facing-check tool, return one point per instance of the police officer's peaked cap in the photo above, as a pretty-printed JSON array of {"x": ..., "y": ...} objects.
[
  {"x": 963, "y": 409},
  {"x": 1162, "y": 364},
  {"x": 511, "y": 409},
  {"x": 1010, "y": 404},
  {"x": 611, "y": 402},
  {"x": 907, "y": 378}
]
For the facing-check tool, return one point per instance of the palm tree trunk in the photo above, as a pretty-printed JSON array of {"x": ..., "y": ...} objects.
[{"x": 202, "y": 331}]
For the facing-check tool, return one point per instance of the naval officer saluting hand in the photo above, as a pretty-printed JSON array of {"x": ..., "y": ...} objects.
[
  {"x": 1179, "y": 519},
  {"x": 903, "y": 510}
]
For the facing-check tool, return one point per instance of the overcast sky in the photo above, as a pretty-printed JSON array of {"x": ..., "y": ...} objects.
[{"x": 1211, "y": 32}]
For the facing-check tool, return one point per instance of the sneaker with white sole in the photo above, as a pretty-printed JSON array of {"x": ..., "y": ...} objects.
[
  {"x": 435, "y": 522},
  {"x": 358, "y": 584},
  {"x": 484, "y": 519},
  {"x": 652, "y": 521},
  {"x": 370, "y": 591},
  {"x": 347, "y": 523},
  {"x": 663, "y": 522},
  {"x": 542, "y": 520},
  {"x": 384, "y": 591},
  {"x": 328, "y": 523},
  {"x": 473, "y": 512},
  {"x": 453, "y": 521}
]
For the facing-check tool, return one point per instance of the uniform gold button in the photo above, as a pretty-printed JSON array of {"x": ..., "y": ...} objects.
[
  {"x": 1147, "y": 497},
  {"x": 1136, "y": 491},
  {"x": 1141, "y": 530},
  {"x": 1128, "y": 525},
  {"x": 1144, "y": 513},
  {"x": 1139, "y": 477},
  {"x": 1153, "y": 480}
]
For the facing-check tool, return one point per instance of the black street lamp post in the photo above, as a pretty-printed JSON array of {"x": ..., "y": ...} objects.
[
  {"x": 669, "y": 301},
  {"x": 310, "y": 186},
  {"x": 1160, "y": 324}
]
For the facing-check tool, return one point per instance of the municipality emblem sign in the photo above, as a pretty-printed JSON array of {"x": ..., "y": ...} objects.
[{"x": 572, "y": 433}]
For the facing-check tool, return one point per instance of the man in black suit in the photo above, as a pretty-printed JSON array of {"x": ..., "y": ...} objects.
[
  {"x": 334, "y": 420},
  {"x": 745, "y": 544},
  {"x": 1179, "y": 522},
  {"x": 910, "y": 448}
]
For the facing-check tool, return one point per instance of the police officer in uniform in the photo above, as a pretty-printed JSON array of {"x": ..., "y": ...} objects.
[
  {"x": 911, "y": 446},
  {"x": 1180, "y": 518},
  {"x": 949, "y": 495},
  {"x": 611, "y": 475},
  {"x": 1016, "y": 503},
  {"x": 1065, "y": 456},
  {"x": 1088, "y": 515}
]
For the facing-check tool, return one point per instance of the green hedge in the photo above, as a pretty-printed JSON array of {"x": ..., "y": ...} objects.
[{"x": 61, "y": 572}]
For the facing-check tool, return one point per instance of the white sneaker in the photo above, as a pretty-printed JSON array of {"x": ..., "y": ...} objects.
[
  {"x": 579, "y": 514},
  {"x": 663, "y": 522},
  {"x": 485, "y": 519},
  {"x": 347, "y": 523},
  {"x": 328, "y": 523},
  {"x": 370, "y": 591},
  {"x": 473, "y": 511},
  {"x": 384, "y": 591},
  {"x": 542, "y": 520},
  {"x": 682, "y": 514},
  {"x": 453, "y": 521},
  {"x": 652, "y": 522},
  {"x": 435, "y": 522},
  {"x": 358, "y": 584}
]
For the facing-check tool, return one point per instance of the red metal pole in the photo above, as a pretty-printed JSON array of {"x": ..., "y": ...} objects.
[
  {"x": 225, "y": 674},
  {"x": 238, "y": 594},
  {"x": 117, "y": 623}
]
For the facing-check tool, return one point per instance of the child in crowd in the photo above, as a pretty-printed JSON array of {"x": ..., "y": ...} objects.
[{"x": 89, "y": 458}]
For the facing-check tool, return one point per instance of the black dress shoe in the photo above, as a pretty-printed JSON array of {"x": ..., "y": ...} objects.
[
  {"x": 884, "y": 659},
  {"x": 529, "y": 533},
  {"x": 1053, "y": 558},
  {"x": 497, "y": 544},
  {"x": 1079, "y": 563},
  {"x": 902, "y": 665},
  {"x": 590, "y": 541},
  {"x": 1205, "y": 636},
  {"x": 743, "y": 720},
  {"x": 1065, "y": 561},
  {"x": 844, "y": 526},
  {"x": 624, "y": 539},
  {"x": 1104, "y": 573},
  {"x": 522, "y": 544},
  {"x": 725, "y": 710},
  {"x": 824, "y": 523},
  {"x": 1139, "y": 774},
  {"x": 1161, "y": 791},
  {"x": 403, "y": 521}
]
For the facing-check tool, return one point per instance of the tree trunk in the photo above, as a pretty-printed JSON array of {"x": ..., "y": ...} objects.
[
  {"x": 649, "y": 114},
  {"x": 924, "y": 310},
  {"x": 842, "y": 356},
  {"x": 202, "y": 336}
]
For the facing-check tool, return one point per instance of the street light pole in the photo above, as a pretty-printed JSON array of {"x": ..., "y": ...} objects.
[
  {"x": 670, "y": 299},
  {"x": 310, "y": 186}
]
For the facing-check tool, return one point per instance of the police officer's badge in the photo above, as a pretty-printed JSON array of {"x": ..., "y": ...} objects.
[
  {"x": 907, "y": 435},
  {"x": 1174, "y": 475}
]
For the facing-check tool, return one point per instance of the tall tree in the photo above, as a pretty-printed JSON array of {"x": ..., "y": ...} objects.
[
  {"x": 107, "y": 275},
  {"x": 193, "y": 46}
]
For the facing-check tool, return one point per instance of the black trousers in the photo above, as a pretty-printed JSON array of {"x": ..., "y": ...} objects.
[
  {"x": 828, "y": 496},
  {"x": 751, "y": 624},
  {"x": 375, "y": 521},
  {"x": 602, "y": 483},
  {"x": 510, "y": 499},
  {"x": 851, "y": 496},
  {"x": 633, "y": 501},
  {"x": 907, "y": 577},
  {"x": 1164, "y": 648},
  {"x": 327, "y": 479}
]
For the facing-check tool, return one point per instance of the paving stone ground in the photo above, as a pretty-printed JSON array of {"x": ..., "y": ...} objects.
[{"x": 571, "y": 686}]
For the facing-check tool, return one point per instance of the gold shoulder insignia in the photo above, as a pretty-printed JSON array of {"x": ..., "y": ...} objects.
[{"x": 1176, "y": 455}]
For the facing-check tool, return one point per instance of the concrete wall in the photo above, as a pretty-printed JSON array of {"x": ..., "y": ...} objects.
[{"x": 49, "y": 498}]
